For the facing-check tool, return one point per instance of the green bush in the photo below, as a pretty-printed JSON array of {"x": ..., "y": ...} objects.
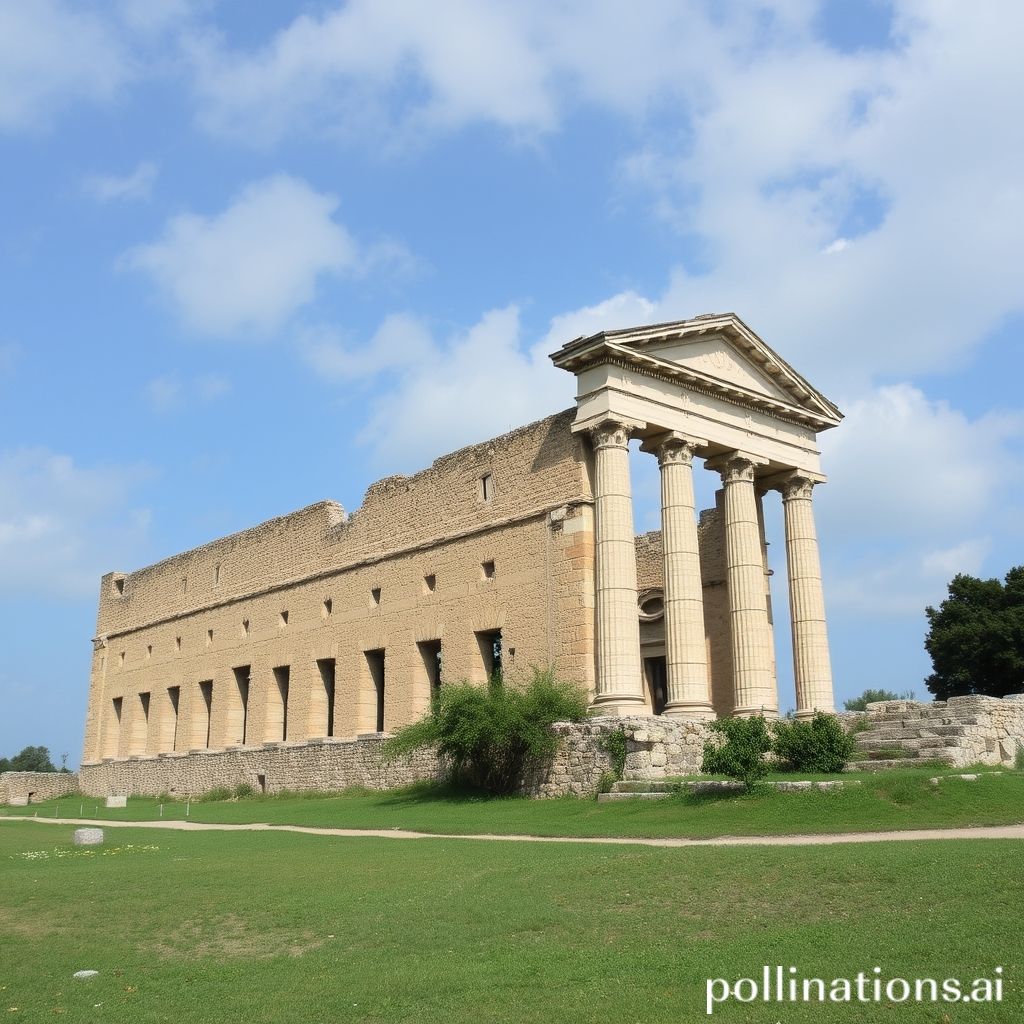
[
  {"x": 741, "y": 755},
  {"x": 489, "y": 736},
  {"x": 243, "y": 790},
  {"x": 875, "y": 696},
  {"x": 614, "y": 743},
  {"x": 1018, "y": 762},
  {"x": 216, "y": 794},
  {"x": 820, "y": 745}
]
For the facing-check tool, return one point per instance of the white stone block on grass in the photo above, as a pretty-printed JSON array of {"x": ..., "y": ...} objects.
[{"x": 88, "y": 837}]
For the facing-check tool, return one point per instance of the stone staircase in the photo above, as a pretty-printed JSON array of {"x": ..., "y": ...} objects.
[
  {"x": 637, "y": 790},
  {"x": 902, "y": 733}
]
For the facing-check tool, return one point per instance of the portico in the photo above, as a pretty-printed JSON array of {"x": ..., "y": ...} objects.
[{"x": 706, "y": 388}]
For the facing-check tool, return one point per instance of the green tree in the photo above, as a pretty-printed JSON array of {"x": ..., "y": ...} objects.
[
  {"x": 31, "y": 759},
  {"x": 976, "y": 637},
  {"x": 741, "y": 755},
  {"x": 870, "y": 696},
  {"x": 820, "y": 745}
]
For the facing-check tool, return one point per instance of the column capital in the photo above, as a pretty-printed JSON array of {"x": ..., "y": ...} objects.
[
  {"x": 795, "y": 484},
  {"x": 611, "y": 432},
  {"x": 735, "y": 467},
  {"x": 673, "y": 447}
]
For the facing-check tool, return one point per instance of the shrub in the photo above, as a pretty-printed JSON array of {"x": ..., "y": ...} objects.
[
  {"x": 875, "y": 696},
  {"x": 490, "y": 736},
  {"x": 1018, "y": 761},
  {"x": 216, "y": 794},
  {"x": 614, "y": 743},
  {"x": 244, "y": 789},
  {"x": 741, "y": 755},
  {"x": 820, "y": 745}
]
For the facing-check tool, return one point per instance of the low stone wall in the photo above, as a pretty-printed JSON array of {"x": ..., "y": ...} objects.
[
  {"x": 325, "y": 765},
  {"x": 32, "y": 787},
  {"x": 656, "y": 748}
]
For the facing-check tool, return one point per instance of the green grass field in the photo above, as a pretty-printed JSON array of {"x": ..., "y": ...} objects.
[
  {"x": 277, "y": 927},
  {"x": 891, "y": 800}
]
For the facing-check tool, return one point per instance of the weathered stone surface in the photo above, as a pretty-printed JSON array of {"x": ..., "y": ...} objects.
[
  {"x": 88, "y": 837},
  {"x": 21, "y": 788},
  {"x": 117, "y": 800}
]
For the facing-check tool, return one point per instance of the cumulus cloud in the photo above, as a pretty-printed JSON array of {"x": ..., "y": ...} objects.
[
  {"x": 250, "y": 267},
  {"x": 53, "y": 54},
  {"x": 136, "y": 185},
  {"x": 63, "y": 525}
]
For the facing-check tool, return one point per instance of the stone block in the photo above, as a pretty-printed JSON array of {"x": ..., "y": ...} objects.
[
  {"x": 117, "y": 801},
  {"x": 88, "y": 837}
]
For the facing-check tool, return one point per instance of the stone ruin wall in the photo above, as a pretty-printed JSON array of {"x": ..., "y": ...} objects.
[
  {"x": 20, "y": 788},
  {"x": 194, "y": 617}
]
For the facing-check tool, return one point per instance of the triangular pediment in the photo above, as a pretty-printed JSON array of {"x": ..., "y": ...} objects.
[{"x": 717, "y": 353}]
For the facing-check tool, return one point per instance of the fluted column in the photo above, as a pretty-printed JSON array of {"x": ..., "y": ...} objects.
[
  {"x": 812, "y": 666},
  {"x": 619, "y": 685},
  {"x": 754, "y": 689},
  {"x": 685, "y": 644}
]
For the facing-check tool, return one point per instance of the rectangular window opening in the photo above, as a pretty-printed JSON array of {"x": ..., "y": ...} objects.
[
  {"x": 375, "y": 596},
  {"x": 486, "y": 487},
  {"x": 171, "y": 732},
  {"x": 277, "y": 713},
  {"x": 430, "y": 652},
  {"x": 238, "y": 716},
  {"x": 328, "y": 608},
  {"x": 284, "y": 618},
  {"x": 488, "y": 570},
  {"x": 429, "y": 583},
  {"x": 375, "y": 664},
  {"x": 216, "y": 575},
  {"x": 327, "y": 670},
  {"x": 489, "y": 642},
  {"x": 205, "y": 712}
]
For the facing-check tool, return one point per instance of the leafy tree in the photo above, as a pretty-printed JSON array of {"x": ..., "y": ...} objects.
[
  {"x": 490, "y": 736},
  {"x": 31, "y": 759},
  {"x": 741, "y": 756},
  {"x": 870, "y": 696},
  {"x": 820, "y": 745},
  {"x": 976, "y": 637}
]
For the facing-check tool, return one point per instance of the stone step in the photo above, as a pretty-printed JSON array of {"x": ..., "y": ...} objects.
[
  {"x": 885, "y": 764},
  {"x": 631, "y": 795},
  {"x": 886, "y": 751},
  {"x": 642, "y": 786}
]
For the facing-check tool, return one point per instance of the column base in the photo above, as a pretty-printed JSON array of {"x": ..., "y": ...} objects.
[
  {"x": 749, "y": 712},
  {"x": 619, "y": 705},
  {"x": 805, "y": 714},
  {"x": 696, "y": 711}
]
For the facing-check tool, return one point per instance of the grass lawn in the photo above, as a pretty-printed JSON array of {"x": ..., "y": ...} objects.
[
  {"x": 276, "y": 927},
  {"x": 891, "y": 800}
]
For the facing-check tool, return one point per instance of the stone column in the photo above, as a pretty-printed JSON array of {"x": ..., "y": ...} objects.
[
  {"x": 811, "y": 664},
  {"x": 619, "y": 686},
  {"x": 754, "y": 689},
  {"x": 685, "y": 644}
]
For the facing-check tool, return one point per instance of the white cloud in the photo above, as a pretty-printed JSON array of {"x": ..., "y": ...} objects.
[
  {"x": 250, "y": 267},
  {"x": 136, "y": 185},
  {"x": 63, "y": 525},
  {"x": 53, "y": 54}
]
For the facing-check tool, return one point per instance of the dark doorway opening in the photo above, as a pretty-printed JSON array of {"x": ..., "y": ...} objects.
[{"x": 656, "y": 674}]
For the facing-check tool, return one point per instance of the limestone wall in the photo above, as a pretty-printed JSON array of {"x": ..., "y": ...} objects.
[
  {"x": 326, "y": 765},
  {"x": 428, "y": 559},
  {"x": 33, "y": 787}
]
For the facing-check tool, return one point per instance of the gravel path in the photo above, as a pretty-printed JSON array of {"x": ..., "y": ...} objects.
[{"x": 914, "y": 835}]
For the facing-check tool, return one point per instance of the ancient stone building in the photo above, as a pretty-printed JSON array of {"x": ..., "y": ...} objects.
[{"x": 319, "y": 627}]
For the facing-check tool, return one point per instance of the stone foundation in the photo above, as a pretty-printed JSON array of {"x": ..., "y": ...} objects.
[
  {"x": 32, "y": 787},
  {"x": 960, "y": 731}
]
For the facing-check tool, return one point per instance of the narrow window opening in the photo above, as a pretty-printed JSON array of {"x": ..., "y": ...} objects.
[
  {"x": 209, "y": 637},
  {"x": 277, "y": 711},
  {"x": 261, "y": 784},
  {"x": 119, "y": 586},
  {"x": 486, "y": 487},
  {"x": 488, "y": 570},
  {"x": 205, "y": 712},
  {"x": 238, "y": 716},
  {"x": 429, "y": 583},
  {"x": 177, "y": 643},
  {"x": 140, "y": 731},
  {"x": 171, "y": 732},
  {"x": 120, "y": 661},
  {"x": 375, "y": 665},
  {"x": 430, "y": 652},
  {"x": 216, "y": 575},
  {"x": 245, "y": 627},
  {"x": 184, "y": 584},
  {"x": 328, "y": 608},
  {"x": 489, "y": 642},
  {"x": 375, "y": 596},
  {"x": 149, "y": 651},
  {"x": 112, "y": 731},
  {"x": 284, "y": 618},
  {"x": 327, "y": 675}
]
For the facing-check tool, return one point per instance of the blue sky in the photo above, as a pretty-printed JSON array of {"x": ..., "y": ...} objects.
[{"x": 254, "y": 256}]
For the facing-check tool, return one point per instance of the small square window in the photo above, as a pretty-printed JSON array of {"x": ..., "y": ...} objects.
[
  {"x": 284, "y": 618},
  {"x": 328, "y": 607},
  {"x": 375, "y": 596},
  {"x": 429, "y": 583},
  {"x": 488, "y": 570},
  {"x": 486, "y": 487},
  {"x": 209, "y": 637}
]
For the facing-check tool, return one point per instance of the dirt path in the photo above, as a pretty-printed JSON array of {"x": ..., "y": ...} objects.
[{"x": 977, "y": 832}]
